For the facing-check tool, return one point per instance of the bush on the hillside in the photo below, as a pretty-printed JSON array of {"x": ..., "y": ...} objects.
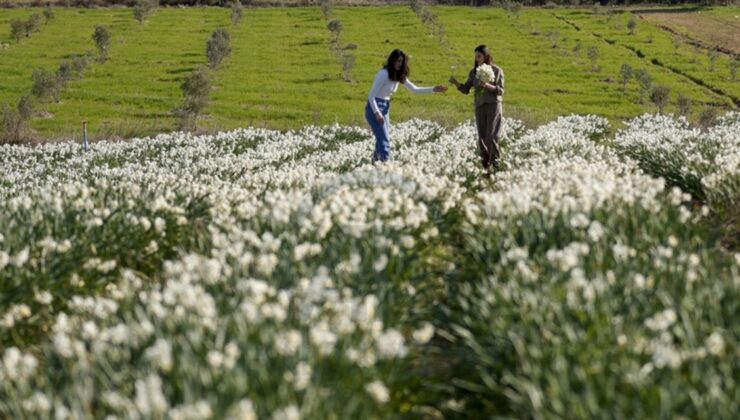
[
  {"x": 46, "y": 85},
  {"x": 71, "y": 69},
  {"x": 593, "y": 55},
  {"x": 33, "y": 24},
  {"x": 48, "y": 13},
  {"x": 18, "y": 29},
  {"x": 218, "y": 47},
  {"x": 335, "y": 27},
  {"x": 237, "y": 12},
  {"x": 625, "y": 75},
  {"x": 197, "y": 89},
  {"x": 683, "y": 104},
  {"x": 14, "y": 122},
  {"x": 632, "y": 25},
  {"x": 660, "y": 95},
  {"x": 326, "y": 7},
  {"x": 645, "y": 80},
  {"x": 102, "y": 38},
  {"x": 143, "y": 9},
  {"x": 348, "y": 64}
]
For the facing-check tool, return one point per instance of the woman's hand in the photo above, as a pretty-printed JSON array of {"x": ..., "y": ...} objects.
[
  {"x": 454, "y": 81},
  {"x": 379, "y": 118},
  {"x": 440, "y": 88}
]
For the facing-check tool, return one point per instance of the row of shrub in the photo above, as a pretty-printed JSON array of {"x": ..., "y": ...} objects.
[
  {"x": 342, "y": 52},
  {"x": 47, "y": 88},
  {"x": 20, "y": 29},
  {"x": 197, "y": 86}
]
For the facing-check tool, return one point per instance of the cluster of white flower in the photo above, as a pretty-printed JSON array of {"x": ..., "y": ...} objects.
[
  {"x": 706, "y": 163},
  {"x": 281, "y": 275}
]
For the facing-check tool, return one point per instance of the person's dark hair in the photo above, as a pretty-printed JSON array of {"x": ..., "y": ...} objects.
[
  {"x": 397, "y": 75},
  {"x": 486, "y": 53}
]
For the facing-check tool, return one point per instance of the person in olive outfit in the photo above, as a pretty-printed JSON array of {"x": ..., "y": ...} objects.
[{"x": 488, "y": 98}]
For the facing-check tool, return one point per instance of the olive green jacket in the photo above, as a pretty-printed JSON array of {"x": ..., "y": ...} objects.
[{"x": 485, "y": 96}]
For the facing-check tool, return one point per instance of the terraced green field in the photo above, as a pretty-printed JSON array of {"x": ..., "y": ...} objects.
[{"x": 283, "y": 73}]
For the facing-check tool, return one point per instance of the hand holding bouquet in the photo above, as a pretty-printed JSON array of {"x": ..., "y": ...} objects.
[{"x": 484, "y": 74}]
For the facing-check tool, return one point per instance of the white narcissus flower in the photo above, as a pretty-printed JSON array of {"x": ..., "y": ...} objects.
[
  {"x": 390, "y": 344},
  {"x": 150, "y": 399},
  {"x": 4, "y": 259},
  {"x": 380, "y": 263},
  {"x": 378, "y": 391},
  {"x": 243, "y": 410},
  {"x": 288, "y": 343},
  {"x": 290, "y": 412},
  {"x": 424, "y": 334},
  {"x": 715, "y": 344},
  {"x": 160, "y": 354}
]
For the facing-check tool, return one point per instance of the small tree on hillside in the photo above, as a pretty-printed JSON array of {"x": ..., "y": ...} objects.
[
  {"x": 625, "y": 75},
  {"x": 14, "y": 122},
  {"x": 65, "y": 72},
  {"x": 26, "y": 107},
  {"x": 683, "y": 105},
  {"x": 632, "y": 25},
  {"x": 335, "y": 27},
  {"x": 143, "y": 9},
  {"x": 326, "y": 7},
  {"x": 102, "y": 38},
  {"x": 348, "y": 64},
  {"x": 237, "y": 12},
  {"x": 218, "y": 47},
  {"x": 46, "y": 85},
  {"x": 660, "y": 95},
  {"x": 18, "y": 29},
  {"x": 197, "y": 89},
  {"x": 33, "y": 24},
  {"x": 48, "y": 13},
  {"x": 593, "y": 55},
  {"x": 512, "y": 8},
  {"x": 645, "y": 80}
]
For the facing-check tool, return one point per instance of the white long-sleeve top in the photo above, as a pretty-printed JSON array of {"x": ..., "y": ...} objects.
[{"x": 384, "y": 87}]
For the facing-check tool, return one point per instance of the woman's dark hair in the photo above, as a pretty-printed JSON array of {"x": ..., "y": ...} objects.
[
  {"x": 488, "y": 58},
  {"x": 390, "y": 65}
]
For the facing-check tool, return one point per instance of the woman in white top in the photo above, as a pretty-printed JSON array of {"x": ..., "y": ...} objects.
[{"x": 378, "y": 105}]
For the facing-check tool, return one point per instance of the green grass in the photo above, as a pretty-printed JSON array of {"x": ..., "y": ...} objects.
[
  {"x": 141, "y": 81},
  {"x": 657, "y": 44},
  {"x": 283, "y": 73}
]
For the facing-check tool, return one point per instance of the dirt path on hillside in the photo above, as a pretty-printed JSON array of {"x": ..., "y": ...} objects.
[{"x": 708, "y": 31}]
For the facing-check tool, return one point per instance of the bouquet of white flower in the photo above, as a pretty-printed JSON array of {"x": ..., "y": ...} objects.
[{"x": 484, "y": 74}]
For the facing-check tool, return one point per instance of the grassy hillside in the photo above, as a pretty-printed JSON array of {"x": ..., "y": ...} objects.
[{"x": 283, "y": 73}]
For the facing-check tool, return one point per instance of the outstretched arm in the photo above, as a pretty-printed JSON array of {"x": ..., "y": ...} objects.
[
  {"x": 415, "y": 89},
  {"x": 465, "y": 87}
]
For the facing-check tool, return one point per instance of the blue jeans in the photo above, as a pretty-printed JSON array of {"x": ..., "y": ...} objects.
[{"x": 382, "y": 139}]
